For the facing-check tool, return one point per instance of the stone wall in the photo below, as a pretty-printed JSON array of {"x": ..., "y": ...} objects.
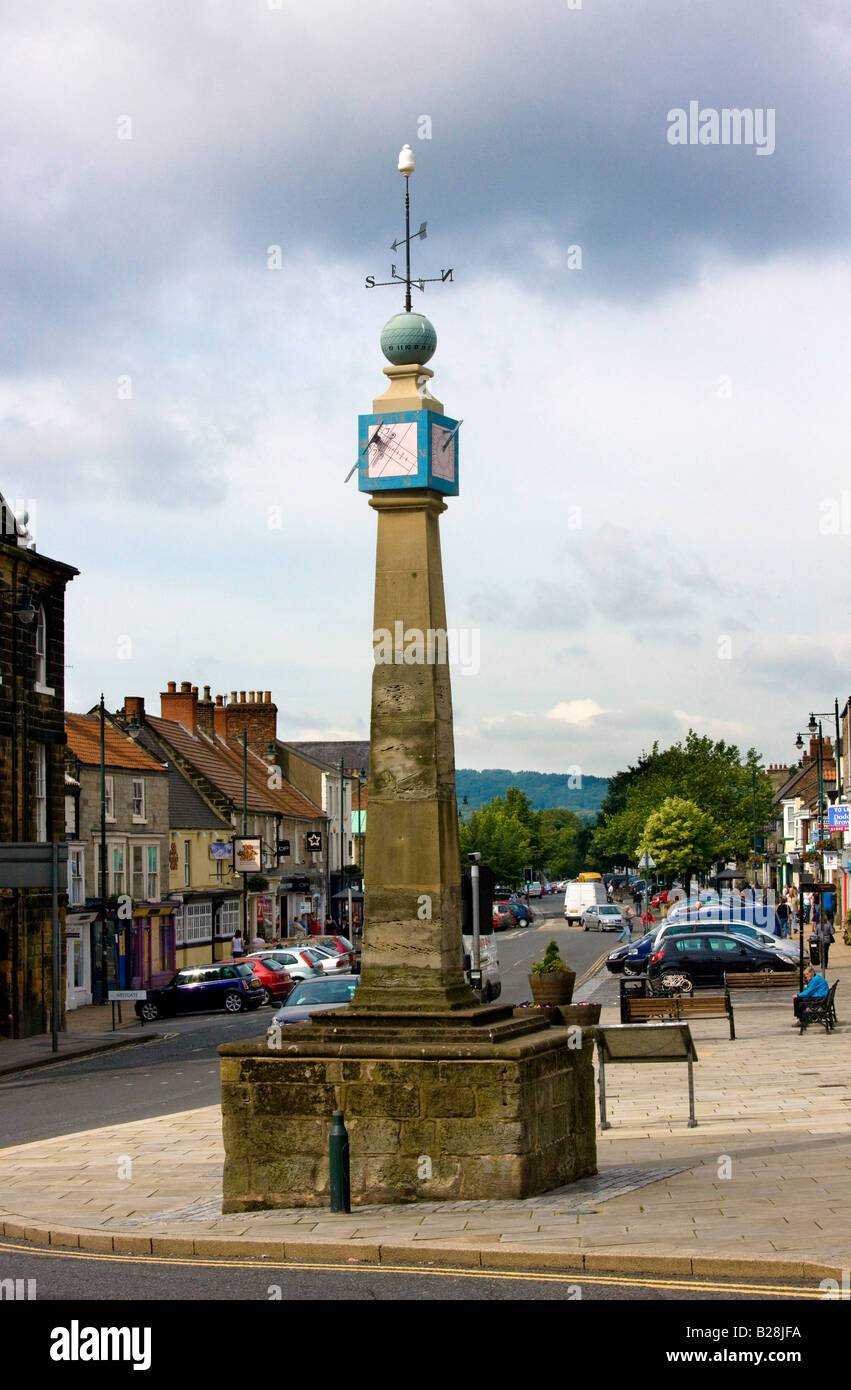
[{"x": 502, "y": 1121}]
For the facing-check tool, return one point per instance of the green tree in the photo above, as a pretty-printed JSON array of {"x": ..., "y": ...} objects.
[
  {"x": 681, "y": 838},
  {"x": 735, "y": 792}
]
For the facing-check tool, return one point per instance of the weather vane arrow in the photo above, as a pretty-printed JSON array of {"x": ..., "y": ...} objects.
[{"x": 406, "y": 167}]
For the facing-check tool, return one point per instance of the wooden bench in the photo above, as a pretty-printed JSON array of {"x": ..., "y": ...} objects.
[
  {"x": 681, "y": 1009},
  {"x": 818, "y": 1010},
  {"x": 762, "y": 979}
]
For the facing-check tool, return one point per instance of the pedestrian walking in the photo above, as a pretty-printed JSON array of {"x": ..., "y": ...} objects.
[
  {"x": 237, "y": 948},
  {"x": 782, "y": 913},
  {"x": 829, "y": 907},
  {"x": 647, "y": 918},
  {"x": 626, "y": 932},
  {"x": 824, "y": 935}
]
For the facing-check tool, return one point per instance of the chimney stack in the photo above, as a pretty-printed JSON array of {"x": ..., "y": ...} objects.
[{"x": 181, "y": 706}]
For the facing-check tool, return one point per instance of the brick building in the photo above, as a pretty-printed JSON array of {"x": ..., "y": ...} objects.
[{"x": 32, "y": 755}]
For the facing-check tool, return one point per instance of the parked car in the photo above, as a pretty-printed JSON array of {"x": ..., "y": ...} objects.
[
  {"x": 489, "y": 959},
  {"x": 299, "y": 964},
  {"x": 328, "y": 960},
  {"x": 503, "y": 921},
  {"x": 522, "y": 914},
  {"x": 757, "y": 934},
  {"x": 276, "y": 980},
  {"x": 602, "y": 917},
  {"x": 631, "y": 959},
  {"x": 725, "y": 907},
  {"x": 232, "y": 986},
  {"x": 327, "y": 992},
  {"x": 340, "y": 944},
  {"x": 534, "y": 889},
  {"x": 690, "y": 959}
]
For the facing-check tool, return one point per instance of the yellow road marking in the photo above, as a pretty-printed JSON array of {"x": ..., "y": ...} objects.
[{"x": 559, "y": 1277}]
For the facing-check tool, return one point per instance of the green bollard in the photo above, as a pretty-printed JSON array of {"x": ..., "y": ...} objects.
[{"x": 338, "y": 1153}]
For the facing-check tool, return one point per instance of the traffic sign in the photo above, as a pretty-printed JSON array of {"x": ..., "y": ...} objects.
[
  {"x": 645, "y": 862},
  {"x": 118, "y": 996}
]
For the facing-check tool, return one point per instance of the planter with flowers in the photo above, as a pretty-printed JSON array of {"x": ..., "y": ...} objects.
[
  {"x": 552, "y": 979},
  {"x": 586, "y": 1014}
]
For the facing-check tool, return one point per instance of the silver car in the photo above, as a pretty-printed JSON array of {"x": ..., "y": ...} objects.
[{"x": 602, "y": 917}]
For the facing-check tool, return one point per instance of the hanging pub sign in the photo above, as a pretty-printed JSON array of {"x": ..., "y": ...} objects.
[
  {"x": 283, "y": 849},
  {"x": 221, "y": 849},
  {"x": 247, "y": 854},
  {"x": 313, "y": 841}
]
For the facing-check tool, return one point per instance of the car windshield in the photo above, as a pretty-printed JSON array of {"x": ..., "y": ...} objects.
[
  {"x": 243, "y": 969},
  {"x": 322, "y": 992},
  {"x": 609, "y": 911}
]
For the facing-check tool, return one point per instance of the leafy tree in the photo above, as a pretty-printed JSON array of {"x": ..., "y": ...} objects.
[
  {"x": 735, "y": 793},
  {"x": 680, "y": 837},
  {"x": 509, "y": 833}
]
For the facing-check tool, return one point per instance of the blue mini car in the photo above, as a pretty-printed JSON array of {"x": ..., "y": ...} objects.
[{"x": 233, "y": 987}]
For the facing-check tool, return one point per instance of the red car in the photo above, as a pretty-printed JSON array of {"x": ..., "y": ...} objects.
[
  {"x": 277, "y": 983},
  {"x": 503, "y": 921}
]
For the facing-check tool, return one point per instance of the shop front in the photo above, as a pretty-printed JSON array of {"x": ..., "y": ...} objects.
[{"x": 153, "y": 945}]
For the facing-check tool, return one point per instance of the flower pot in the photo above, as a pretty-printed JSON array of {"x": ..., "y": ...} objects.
[
  {"x": 586, "y": 1015},
  {"x": 554, "y": 988}
]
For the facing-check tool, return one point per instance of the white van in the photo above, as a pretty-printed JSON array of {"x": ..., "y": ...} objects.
[
  {"x": 578, "y": 896},
  {"x": 489, "y": 956}
]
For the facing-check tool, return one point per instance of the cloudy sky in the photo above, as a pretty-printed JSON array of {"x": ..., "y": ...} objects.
[{"x": 654, "y": 524}]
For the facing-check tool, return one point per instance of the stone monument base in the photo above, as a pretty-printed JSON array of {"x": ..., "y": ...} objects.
[{"x": 481, "y": 1104}]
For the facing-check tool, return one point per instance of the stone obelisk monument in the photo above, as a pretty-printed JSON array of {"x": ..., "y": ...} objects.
[{"x": 442, "y": 1097}]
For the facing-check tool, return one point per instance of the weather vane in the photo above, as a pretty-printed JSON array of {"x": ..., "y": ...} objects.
[{"x": 406, "y": 167}]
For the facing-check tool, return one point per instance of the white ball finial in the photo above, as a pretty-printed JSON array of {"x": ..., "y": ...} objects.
[{"x": 406, "y": 161}]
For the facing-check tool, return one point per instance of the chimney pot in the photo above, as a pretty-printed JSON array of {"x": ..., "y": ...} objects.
[
  {"x": 172, "y": 688},
  {"x": 233, "y": 697},
  {"x": 185, "y": 688},
  {"x": 242, "y": 697},
  {"x": 220, "y": 700},
  {"x": 206, "y": 692}
]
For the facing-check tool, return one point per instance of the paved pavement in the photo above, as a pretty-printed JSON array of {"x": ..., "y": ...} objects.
[
  {"x": 761, "y": 1187},
  {"x": 88, "y": 1030}
]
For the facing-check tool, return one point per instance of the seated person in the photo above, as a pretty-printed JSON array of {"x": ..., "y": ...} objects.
[{"x": 815, "y": 988}]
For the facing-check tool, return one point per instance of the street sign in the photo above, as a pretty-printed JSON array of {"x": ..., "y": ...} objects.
[
  {"x": 119, "y": 996},
  {"x": 645, "y": 862},
  {"x": 839, "y": 817},
  {"x": 30, "y": 864}
]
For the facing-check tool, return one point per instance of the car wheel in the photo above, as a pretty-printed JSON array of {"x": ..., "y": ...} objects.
[
  {"x": 522, "y": 921},
  {"x": 233, "y": 1003},
  {"x": 631, "y": 970},
  {"x": 267, "y": 995},
  {"x": 149, "y": 1011},
  {"x": 585, "y": 926}
]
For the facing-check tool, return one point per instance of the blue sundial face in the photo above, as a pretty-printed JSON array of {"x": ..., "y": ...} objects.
[{"x": 408, "y": 448}]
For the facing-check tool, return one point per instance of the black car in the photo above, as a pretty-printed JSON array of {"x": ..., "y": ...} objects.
[
  {"x": 233, "y": 987},
  {"x": 703, "y": 958}
]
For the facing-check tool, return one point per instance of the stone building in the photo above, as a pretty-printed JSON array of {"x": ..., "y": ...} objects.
[
  {"x": 137, "y": 841},
  {"x": 32, "y": 735},
  {"x": 201, "y": 739}
]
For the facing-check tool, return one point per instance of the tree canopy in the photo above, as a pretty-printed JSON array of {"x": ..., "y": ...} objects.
[
  {"x": 509, "y": 834},
  {"x": 734, "y": 792}
]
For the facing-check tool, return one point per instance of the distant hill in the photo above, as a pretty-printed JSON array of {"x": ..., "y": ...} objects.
[{"x": 543, "y": 789}]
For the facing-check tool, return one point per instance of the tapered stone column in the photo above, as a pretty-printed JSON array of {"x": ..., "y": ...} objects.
[{"x": 412, "y": 954}]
